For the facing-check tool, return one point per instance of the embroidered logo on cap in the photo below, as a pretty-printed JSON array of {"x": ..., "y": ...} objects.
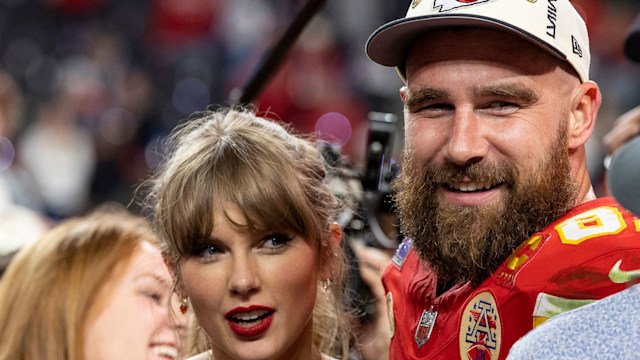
[
  {"x": 446, "y": 5},
  {"x": 576, "y": 46},
  {"x": 480, "y": 329}
]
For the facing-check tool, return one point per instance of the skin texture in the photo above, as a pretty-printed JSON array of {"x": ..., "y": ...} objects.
[
  {"x": 234, "y": 268},
  {"x": 470, "y": 127},
  {"x": 492, "y": 111},
  {"x": 132, "y": 319}
]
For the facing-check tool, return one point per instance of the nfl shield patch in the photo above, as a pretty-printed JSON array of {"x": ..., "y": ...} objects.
[{"x": 423, "y": 331}]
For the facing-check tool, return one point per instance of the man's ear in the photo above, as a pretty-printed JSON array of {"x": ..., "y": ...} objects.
[
  {"x": 403, "y": 92},
  {"x": 585, "y": 103},
  {"x": 330, "y": 250}
]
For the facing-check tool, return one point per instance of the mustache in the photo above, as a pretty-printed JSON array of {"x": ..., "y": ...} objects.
[{"x": 484, "y": 172}]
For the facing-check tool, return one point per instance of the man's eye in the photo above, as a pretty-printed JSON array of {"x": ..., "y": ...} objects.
[
  {"x": 503, "y": 105},
  {"x": 437, "y": 107}
]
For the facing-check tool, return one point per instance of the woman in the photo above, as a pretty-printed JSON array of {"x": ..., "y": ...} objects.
[
  {"x": 246, "y": 217},
  {"x": 91, "y": 288}
]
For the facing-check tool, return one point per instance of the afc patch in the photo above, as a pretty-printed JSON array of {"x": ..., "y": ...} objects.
[
  {"x": 480, "y": 329},
  {"x": 401, "y": 252},
  {"x": 425, "y": 326}
]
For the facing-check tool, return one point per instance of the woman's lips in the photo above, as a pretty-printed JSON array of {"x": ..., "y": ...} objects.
[{"x": 250, "y": 321}]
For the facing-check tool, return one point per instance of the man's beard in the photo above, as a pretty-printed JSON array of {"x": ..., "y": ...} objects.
[{"x": 462, "y": 243}]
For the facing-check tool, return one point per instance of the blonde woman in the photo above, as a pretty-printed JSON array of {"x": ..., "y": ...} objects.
[
  {"x": 246, "y": 217},
  {"x": 94, "y": 287}
]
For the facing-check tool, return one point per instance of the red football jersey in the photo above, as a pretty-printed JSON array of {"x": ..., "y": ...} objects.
[{"x": 591, "y": 252}]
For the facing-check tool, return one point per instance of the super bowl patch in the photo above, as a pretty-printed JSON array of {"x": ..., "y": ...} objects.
[
  {"x": 401, "y": 253},
  {"x": 425, "y": 326},
  {"x": 480, "y": 329}
]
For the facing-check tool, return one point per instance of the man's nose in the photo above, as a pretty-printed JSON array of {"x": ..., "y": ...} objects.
[{"x": 466, "y": 143}]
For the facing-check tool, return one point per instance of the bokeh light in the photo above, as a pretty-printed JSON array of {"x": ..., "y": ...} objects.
[
  {"x": 190, "y": 95},
  {"x": 333, "y": 127},
  {"x": 7, "y": 153}
]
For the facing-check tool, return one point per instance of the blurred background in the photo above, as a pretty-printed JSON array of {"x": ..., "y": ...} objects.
[{"x": 89, "y": 88}]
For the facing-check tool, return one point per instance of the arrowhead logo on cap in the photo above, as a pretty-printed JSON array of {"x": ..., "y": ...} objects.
[{"x": 446, "y": 5}]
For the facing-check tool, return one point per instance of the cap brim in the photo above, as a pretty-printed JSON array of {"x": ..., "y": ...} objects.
[
  {"x": 632, "y": 41},
  {"x": 389, "y": 44}
]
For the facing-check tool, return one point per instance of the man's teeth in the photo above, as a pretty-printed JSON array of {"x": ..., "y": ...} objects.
[
  {"x": 166, "y": 350},
  {"x": 471, "y": 186},
  {"x": 249, "y": 316}
]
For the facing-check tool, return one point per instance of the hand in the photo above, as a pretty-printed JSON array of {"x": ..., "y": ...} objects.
[
  {"x": 625, "y": 127},
  {"x": 374, "y": 337}
]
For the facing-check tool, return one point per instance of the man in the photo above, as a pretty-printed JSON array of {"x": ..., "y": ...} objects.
[
  {"x": 607, "y": 328},
  {"x": 503, "y": 228}
]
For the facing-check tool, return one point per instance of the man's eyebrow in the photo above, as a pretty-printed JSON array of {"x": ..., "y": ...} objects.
[
  {"x": 416, "y": 97},
  {"x": 512, "y": 91}
]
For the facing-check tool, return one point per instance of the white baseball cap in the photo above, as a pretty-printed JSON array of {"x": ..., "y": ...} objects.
[{"x": 554, "y": 25}]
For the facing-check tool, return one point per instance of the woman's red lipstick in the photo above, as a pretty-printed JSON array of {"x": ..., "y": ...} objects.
[{"x": 250, "y": 321}]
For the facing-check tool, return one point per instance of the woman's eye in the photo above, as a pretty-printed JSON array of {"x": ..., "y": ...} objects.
[
  {"x": 276, "y": 241},
  {"x": 207, "y": 251},
  {"x": 156, "y": 297}
]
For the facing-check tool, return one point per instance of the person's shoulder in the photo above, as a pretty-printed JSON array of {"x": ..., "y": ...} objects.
[
  {"x": 202, "y": 356},
  {"x": 607, "y": 326},
  {"x": 597, "y": 224},
  {"x": 582, "y": 250}
]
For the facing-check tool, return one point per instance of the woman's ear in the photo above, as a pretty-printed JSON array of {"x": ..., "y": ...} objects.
[
  {"x": 335, "y": 234},
  {"x": 585, "y": 103},
  {"x": 330, "y": 251},
  {"x": 174, "y": 270}
]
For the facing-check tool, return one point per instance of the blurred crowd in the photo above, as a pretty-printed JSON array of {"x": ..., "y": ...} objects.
[{"x": 89, "y": 88}]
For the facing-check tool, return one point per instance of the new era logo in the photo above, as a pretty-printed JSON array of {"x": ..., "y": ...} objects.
[{"x": 576, "y": 47}]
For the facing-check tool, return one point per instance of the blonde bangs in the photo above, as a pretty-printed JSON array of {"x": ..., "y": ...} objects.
[{"x": 234, "y": 167}]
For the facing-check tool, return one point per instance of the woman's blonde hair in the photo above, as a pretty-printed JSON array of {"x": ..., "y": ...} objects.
[
  {"x": 274, "y": 178},
  {"x": 49, "y": 288}
]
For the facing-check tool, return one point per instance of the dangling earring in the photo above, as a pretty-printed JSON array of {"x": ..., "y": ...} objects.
[
  {"x": 327, "y": 284},
  {"x": 184, "y": 305}
]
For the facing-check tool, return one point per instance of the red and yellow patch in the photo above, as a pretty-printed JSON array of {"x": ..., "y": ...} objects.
[{"x": 508, "y": 271}]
